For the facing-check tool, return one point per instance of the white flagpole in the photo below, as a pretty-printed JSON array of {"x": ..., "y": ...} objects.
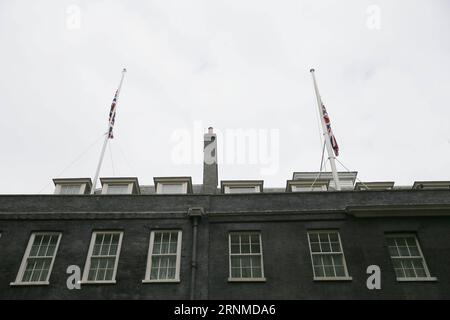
[
  {"x": 110, "y": 124},
  {"x": 330, "y": 152}
]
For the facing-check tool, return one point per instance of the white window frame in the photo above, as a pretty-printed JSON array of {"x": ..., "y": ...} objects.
[
  {"x": 311, "y": 188},
  {"x": 106, "y": 186},
  {"x": 160, "y": 187},
  {"x": 23, "y": 264},
  {"x": 87, "y": 265},
  {"x": 425, "y": 266},
  {"x": 60, "y": 186},
  {"x": 256, "y": 189},
  {"x": 150, "y": 257},
  {"x": 311, "y": 253},
  {"x": 232, "y": 279}
]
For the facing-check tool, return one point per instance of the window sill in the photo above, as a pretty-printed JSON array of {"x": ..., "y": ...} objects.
[
  {"x": 98, "y": 282},
  {"x": 25, "y": 284},
  {"x": 429, "y": 279},
  {"x": 161, "y": 281},
  {"x": 246, "y": 279},
  {"x": 334, "y": 279}
]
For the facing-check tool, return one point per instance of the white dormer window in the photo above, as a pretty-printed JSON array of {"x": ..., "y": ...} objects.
[
  {"x": 70, "y": 189},
  {"x": 242, "y": 186},
  {"x": 378, "y": 185},
  {"x": 72, "y": 186},
  {"x": 242, "y": 189},
  {"x": 118, "y": 189},
  {"x": 307, "y": 185},
  {"x": 120, "y": 186},
  {"x": 171, "y": 188},
  {"x": 346, "y": 179},
  {"x": 173, "y": 185},
  {"x": 431, "y": 185},
  {"x": 308, "y": 188}
]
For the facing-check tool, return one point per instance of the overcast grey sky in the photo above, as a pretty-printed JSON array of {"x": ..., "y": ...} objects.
[{"x": 229, "y": 64}]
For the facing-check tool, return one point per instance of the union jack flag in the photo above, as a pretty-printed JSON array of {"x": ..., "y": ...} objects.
[
  {"x": 333, "y": 141},
  {"x": 112, "y": 116}
]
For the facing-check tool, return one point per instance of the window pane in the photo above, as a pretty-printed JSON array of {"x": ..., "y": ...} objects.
[
  {"x": 157, "y": 248},
  {"x": 234, "y": 239},
  {"x": 117, "y": 188},
  {"x": 165, "y": 237},
  {"x": 255, "y": 248},
  {"x": 393, "y": 251},
  {"x": 235, "y": 272},
  {"x": 403, "y": 251},
  {"x": 313, "y": 237},
  {"x": 154, "y": 273},
  {"x": 340, "y": 271},
  {"x": 329, "y": 271},
  {"x": 235, "y": 262},
  {"x": 50, "y": 250},
  {"x": 323, "y": 237},
  {"x": 34, "y": 250},
  {"x": 327, "y": 260},
  {"x": 245, "y": 239},
  {"x": 338, "y": 260},
  {"x": 318, "y": 272},
  {"x": 70, "y": 189},
  {"x": 113, "y": 250},
  {"x": 399, "y": 273},
  {"x": 171, "y": 273},
  {"x": 256, "y": 261},
  {"x": 414, "y": 251},
  {"x": 421, "y": 273},
  {"x": 169, "y": 188},
  {"x": 245, "y": 262},
  {"x": 326, "y": 247},
  {"x": 315, "y": 247},
  {"x": 109, "y": 274},
  {"x": 164, "y": 247},
  {"x": 100, "y": 274},
  {"x": 257, "y": 273},
  {"x": 241, "y": 190},
  {"x": 411, "y": 241},
  {"x": 246, "y": 273},
  {"x": 235, "y": 248},
  {"x": 317, "y": 260},
  {"x": 335, "y": 247},
  {"x": 409, "y": 272},
  {"x": 334, "y": 237},
  {"x": 245, "y": 248},
  {"x": 255, "y": 239}
]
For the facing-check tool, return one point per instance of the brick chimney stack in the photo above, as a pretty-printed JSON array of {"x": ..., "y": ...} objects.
[{"x": 210, "y": 172}]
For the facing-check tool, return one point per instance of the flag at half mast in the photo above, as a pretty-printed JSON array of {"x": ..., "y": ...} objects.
[
  {"x": 333, "y": 141},
  {"x": 112, "y": 116}
]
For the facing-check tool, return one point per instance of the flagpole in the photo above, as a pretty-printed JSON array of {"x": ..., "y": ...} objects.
[
  {"x": 330, "y": 152},
  {"x": 105, "y": 143}
]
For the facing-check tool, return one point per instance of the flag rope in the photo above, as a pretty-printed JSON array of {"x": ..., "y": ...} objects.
[
  {"x": 78, "y": 158},
  {"x": 350, "y": 171}
]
